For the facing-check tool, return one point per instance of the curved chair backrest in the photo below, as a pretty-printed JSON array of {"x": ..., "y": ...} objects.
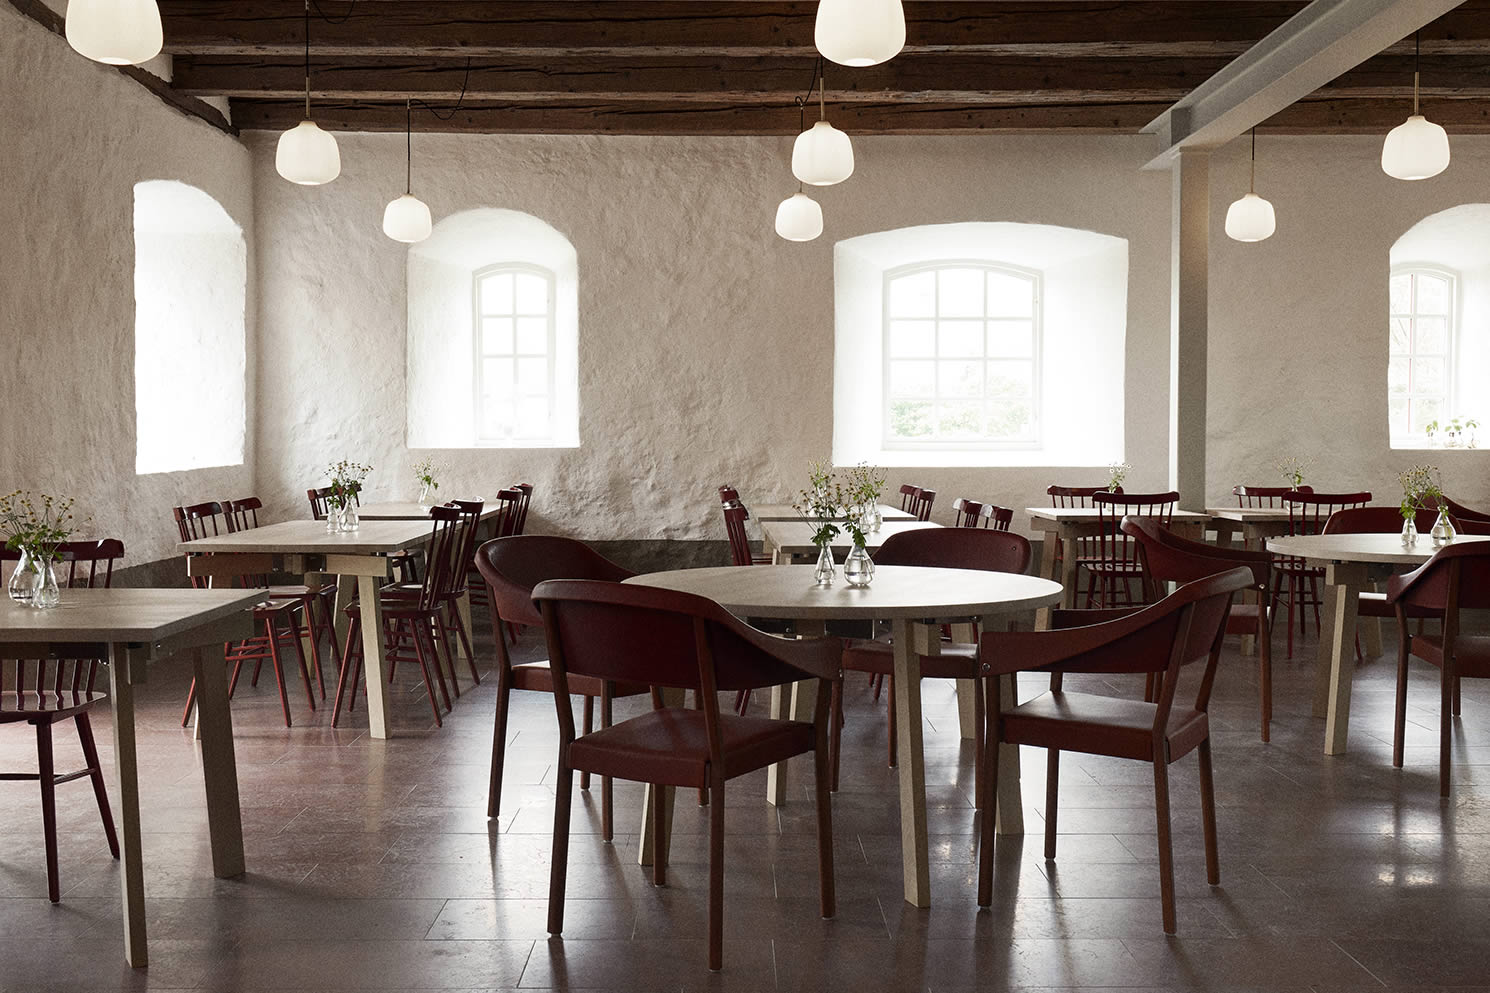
[
  {"x": 471, "y": 511},
  {"x": 1375, "y": 520},
  {"x": 242, "y": 515},
  {"x": 735, "y": 516},
  {"x": 642, "y": 634},
  {"x": 318, "y": 501},
  {"x": 514, "y": 565},
  {"x": 1265, "y": 497},
  {"x": 1462, "y": 513},
  {"x": 1309, "y": 512},
  {"x": 200, "y": 520},
  {"x": 922, "y": 508},
  {"x": 999, "y": 517},
  {"x": 956, "y": 548},
  {"x": 909, "y": 492},
  {"x": 728, "y": 494},
  {"x": 525, "y": 497},
  {"x": 967, "y": 513},
  {"x": 1458, "y": 575},
  {"x": 79, "y": 672},
  {"x": 1075, "y": 496},
  {"x": 98, "y": 556},
  {"x": 509, "y": 512},
  {"x": 1168, "y": 558}
]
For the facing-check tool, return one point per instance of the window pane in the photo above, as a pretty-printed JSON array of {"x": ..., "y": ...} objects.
[
  {"x": 1011, "y": 339},
  {"x": 1010, "y": 296},
  {"x": 1010, "y": 381},
  {"x": 1397, "y": 376},
  {"x": 532, "y": 335},
  {"x": 1432, "y": 336},
  {"x": 959, "y": 379},
  {"x": 1009, "y": 419},
  {"x": 960, "y": 293},
  {"x": 532, "y": 376},
  {"x": 1433, "y": 295},
  {"x": 532, "y": 294},
  {"x": 910, "y": 419},
  {"x": 1400, "y": 330},
  {"x": 496, "y": 293},
  {"x": 496, "y": 377},
  {"x": 960, "y": 339},
  {"x": 1397, "y": 417},
  {"x": 913, "y": 296},
  {"x": 496, "y": 336},
  {"x": 496, "y": 418},
  {"x": 1427, "y": 375},
  {"x": 912, "y": 339},
  {"x": 1425, "y": 409},
  {"x": 912, "y": 379},
  {"x": 1401, "y": 294},
  {"x": 960, "y": 420},
  {"x": 532, "y": 417}
]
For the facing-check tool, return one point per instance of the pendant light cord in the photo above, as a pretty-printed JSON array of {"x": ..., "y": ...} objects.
[
  {"x": 1252, "y": 176},
  {"x": 408, "y": 147},
  {"x": 307, "y": 60},
  {"x": 449, "y": 113},
  {"x": 1417, "y": 57}
]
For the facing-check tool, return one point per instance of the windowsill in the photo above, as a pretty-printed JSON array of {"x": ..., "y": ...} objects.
[
  {"x": 524, "y": 444},
  {"x": 985, "y": 458},
  {"x": 1421, "y": 445}
]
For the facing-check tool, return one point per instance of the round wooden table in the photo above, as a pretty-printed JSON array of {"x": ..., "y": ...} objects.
[
  {"x": 915, "y": 600},
  {"x": 1351, "y": 563}
]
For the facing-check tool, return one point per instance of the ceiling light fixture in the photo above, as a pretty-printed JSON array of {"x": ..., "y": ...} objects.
[
  {"x": 859, "y": 32},
  {"x": 307, "y": 155},
  {"x": 822, "y": 155},
  {"x": 1417, "y": 148},
  {"x": 116, "y": 32},
  {"x": 1251, "y": 218},
  {"x": 406, "y": 218}
]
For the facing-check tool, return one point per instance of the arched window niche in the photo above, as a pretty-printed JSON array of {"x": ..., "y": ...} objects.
[
  {"x": 979, "y": 344},
  {"x": 191, "y": 277},
  {"x": 493, "y": 338},
  {"x": 1438, "y": 328}
]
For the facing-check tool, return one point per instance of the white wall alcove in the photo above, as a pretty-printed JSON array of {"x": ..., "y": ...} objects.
[{"x": 493, "y": 334}]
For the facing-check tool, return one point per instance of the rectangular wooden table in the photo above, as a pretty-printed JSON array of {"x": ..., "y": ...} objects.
[
  {"x": 1255, "y": 524},
  {"x": 1067, "y": 524},
  {"x": 137, "y": 625},
  {"x": 786, "y": 540},
  {"x": 786, "y": 512},
  {"x": 359, "y": 560}
]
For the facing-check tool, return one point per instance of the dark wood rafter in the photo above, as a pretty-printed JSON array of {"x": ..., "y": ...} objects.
[{"x": 187, "y": 104}]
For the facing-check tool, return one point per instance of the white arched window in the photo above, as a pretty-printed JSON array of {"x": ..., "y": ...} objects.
[
  {"x": 1421, "y": 349},
  {"x": 191, "y": 275},
  {"x": 493, "y": 340}
]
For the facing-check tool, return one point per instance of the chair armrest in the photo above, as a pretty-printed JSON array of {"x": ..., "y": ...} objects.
[
  {"x": 1004, "y": 652},
  {"x": 1063, "y": 618},
  {"x": 820, "y": 658}
]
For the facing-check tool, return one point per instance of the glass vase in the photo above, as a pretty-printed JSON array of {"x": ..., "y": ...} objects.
[
  {"x": 1409, "y": 533},
  {"x": 23, "y": 581},
  {"x": 46, "y": 593},
  {"x": 333, "y": 519},
  {"x": 1443, "y": 529},
  {"x": 858, "y": 568},
  {"x": 349, "y": 521},
  {"x": 822, "y": 576},
  {"x": 424, "y": 496}
]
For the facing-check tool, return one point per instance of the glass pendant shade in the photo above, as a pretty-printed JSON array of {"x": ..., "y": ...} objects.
[
  {"x": 1250, "y": 219},
  {"x": 822, "y": 155},
  {"x": 1415, "y": 149},
  {"x": 859, "y": 32},
  {"x": 307, "y": 155},
  {"x": 407, "y": 219},
  {"x": 118, "y": 32},
  {"x": 799, "y": 218}
]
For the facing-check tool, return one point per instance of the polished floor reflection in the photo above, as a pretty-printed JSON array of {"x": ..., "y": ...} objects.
[{"x": 373, "y": 866}]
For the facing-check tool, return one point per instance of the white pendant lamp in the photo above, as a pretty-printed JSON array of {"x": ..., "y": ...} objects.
[
  {"x": 1417, "y": 148},
  {"x": 1251, "y": 218},
  {"x": 305, "y": 154},
  {"x": 118, "y": 32},
  {"x": 406, "y": 218},
  {"x": 859, "y": 32},
  {"x": 799, "y": 218},
  {"x": 822, "y": 155}
]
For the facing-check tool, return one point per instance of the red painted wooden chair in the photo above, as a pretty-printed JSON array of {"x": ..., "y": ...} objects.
[
  {"x": 619, "y": 633},
  {"x": 451, "y": 623},
  {"x": 1168, "y": 558},
  {"x": 1265, "y": 497},
  {"x": 728, "y": 494},
  {"x": 508, "y": 521},
  {"x": 1456, "y": 578},
  {"x": 1183, "y": 628},
  {"x": 922, "y": 504},
  {"x": 1116, "y": 567},
  {"x": 1462, "y": 513},
  {"x": 1307, "y": 514},
  {"x": 967, "y": 513},
  {"x": 1066, "y": 497},
  {"x": 277, "y": 615},
  {"x": 946, "y": 548},
  {"x": 735, "y": 516},
  {"x": 525, "y": 497},
  {"x": 44, "y": 692},
  {"x": 1381, "y": 520},
  {"x": 510, "y": 568},
  {"x": 909, "y": 494}
]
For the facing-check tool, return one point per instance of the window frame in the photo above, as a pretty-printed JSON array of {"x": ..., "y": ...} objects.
[
  {"x": 478, "y": 393},
  {"x": 1034, "y": 441},
  {"x": 1417, "y": 438}
]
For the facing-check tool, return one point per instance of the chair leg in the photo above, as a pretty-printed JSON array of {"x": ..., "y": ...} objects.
[
  {"x": 827, "y": 898},
  {"x": 1399, "y": 717},
  {"x": 313, "y": 635},
  {"x": 420, "y": 639},
  {"x": 279, "y": 672},
  {"x": 191, "y": 700},
  {"x": 584, "y": 777},
  {"x": 1166, "y": 844},
  {"x": 1265, "y": 670},
  {"x": 499, "y": 743},
  {"x": 1052, "y": 797},
  {"x": 437, "y": 646},
  {"x": 1445, "y": 726},
  {"x": 990, "y": 806},
  {"x": 1208, "y": 814},
  {"x": 716, "y": 872},
  {"x": 891, "y": 710},
  {"x": 1293, "y": 595},
  {"x": 607, "y": 804},
  {"x": 980, "y": 754},
  {"x": 348, "y": 663},
  {"x": 1457, "y": 681},
  {"x": 659, "y": 834},
  {"x": 95, "y": 775},
  {"x": 47, "y": 776},
  {"x": 835, "y": 740},
  {"x": 465, "y": 642},
  {"x": 294, "y": 625},
  {"x": 563, "y": 796}
]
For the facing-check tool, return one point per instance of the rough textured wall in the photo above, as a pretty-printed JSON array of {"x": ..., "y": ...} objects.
[
  {"x": 1298, "y": 343},
  {"x": 74, "y": 139},
  {"x": 706, "y": 342}
]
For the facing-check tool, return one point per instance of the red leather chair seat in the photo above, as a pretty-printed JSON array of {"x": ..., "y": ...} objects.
[
  {"x": 1101, "y": 725},
  {"x": 954, "y": 662},
  {"x": 671, "y": 746}
]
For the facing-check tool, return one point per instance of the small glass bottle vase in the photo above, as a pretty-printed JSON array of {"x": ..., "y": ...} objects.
[
  {"x": 349, "y": 520},
  {"x": 45, "y": 593},
  {"x": 1443, "y": 529},
  {"x": 424, "y": 496},
  {"x": 858, "y": 568},
  {"x": 822, "y": 576},
  {"x": 1409, "y": 532},
  {"x": 333, "y": 518},
  {"x": 22, "y": 585}
]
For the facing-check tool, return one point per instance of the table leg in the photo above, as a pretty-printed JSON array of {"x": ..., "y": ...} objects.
[
  {"x": 1344, "y": 585},
  {"x": 1370, "y": 632},
  {"x": 131, "y": 868},
  {"x": 1009, "y": 812},
  {"x": 346, "y": 587},
  {"x": 373, "y": 664},
  {"x": 913, "y": 838},
  {"x": 796, "y": 707},
  {"x": 219, "y": 768},
  {"x": 1225, "y": 531},
  {"x": 1068, "y": 570},
  {"x": 670, "y": 698}
]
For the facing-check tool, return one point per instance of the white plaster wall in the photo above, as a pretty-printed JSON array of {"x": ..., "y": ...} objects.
[{"x": 75, "y": 137}]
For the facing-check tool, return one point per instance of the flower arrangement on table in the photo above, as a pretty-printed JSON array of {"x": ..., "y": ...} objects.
[
  {"x": 865, "y": 483},
  {"x": 36, "y": 532},
  {"x": 1116, "y": 473},
  {"x": 425, "y": 472},
  {"x": 1422, "y": 489},
  {"x": 1292, "y": 469},
  {"x": 826, "y": 506},
  {"x": 346, "y": 483}
]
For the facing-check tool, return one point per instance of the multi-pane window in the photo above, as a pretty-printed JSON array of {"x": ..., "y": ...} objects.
[
  {"x": 1421, "y": 330},
  {"x": 514, "y": 354},
  {"x": 962, "y": 355}
]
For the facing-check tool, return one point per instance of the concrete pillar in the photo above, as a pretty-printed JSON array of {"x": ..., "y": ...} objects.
[{"x": 1190, "y": 204}]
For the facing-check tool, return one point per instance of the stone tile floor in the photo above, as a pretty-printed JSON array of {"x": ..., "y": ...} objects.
[{"x": 372, "y": 864}]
